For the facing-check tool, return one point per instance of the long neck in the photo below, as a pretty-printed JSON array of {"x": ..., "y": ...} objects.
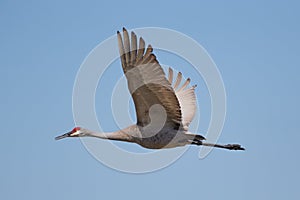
[{"x": 121, "y": 135}]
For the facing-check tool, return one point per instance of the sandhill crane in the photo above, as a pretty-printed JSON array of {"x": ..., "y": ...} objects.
[{"x": 164, "y": 109}]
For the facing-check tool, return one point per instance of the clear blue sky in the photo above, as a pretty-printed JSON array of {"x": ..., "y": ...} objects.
[{"x": 256, "y": 47}]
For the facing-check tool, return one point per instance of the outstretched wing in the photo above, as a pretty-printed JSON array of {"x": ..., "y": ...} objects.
[
  {"x": 147, "y": 82},
  {"x": 186, "y": 97}
]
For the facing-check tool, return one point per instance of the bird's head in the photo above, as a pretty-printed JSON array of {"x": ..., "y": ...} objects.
[{"x": 75, "y": 132}]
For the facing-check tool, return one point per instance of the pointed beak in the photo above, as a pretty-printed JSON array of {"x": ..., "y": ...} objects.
[{"x": 63, "y": 136}]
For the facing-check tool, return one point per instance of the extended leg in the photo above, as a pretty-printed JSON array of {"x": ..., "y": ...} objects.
[{"x": 227, "y": 146}]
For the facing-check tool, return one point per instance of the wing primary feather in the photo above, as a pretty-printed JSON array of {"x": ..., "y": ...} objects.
[
  {"x": 170, "y": 76},
  {"x": 153, "y": 59},
  {"x": 126, "y": 45},
  {"x": 148, "y": 52},
  {"x": 185, "y": 84},
  {"x": 150, "y": 59},
  {"x": 121, "y": 50},
  {"x": 178, "y": 80},
  {"x": 141, "y": 49},
  {"x": 133, "y": 47}
]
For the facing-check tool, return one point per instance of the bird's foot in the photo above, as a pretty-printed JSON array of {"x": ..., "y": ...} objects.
[
  {"x": 197, "y": 140},
  {"x": 199, "y": 137},
  {"x": 234, "y": 147}
]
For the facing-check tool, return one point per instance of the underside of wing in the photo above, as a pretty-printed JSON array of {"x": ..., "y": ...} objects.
[
  {"x": 186, "y": 97},
  {"x": 147, "y": 83}
]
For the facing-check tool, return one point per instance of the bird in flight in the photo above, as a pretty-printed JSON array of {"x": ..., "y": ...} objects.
[{"x": 164, "y": 108}]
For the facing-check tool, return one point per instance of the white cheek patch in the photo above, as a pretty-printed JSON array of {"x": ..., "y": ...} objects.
[{"x": 74, "y": 134}]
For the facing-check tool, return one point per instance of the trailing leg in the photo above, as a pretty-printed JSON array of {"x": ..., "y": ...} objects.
[{"x": 227, "y": 146}]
